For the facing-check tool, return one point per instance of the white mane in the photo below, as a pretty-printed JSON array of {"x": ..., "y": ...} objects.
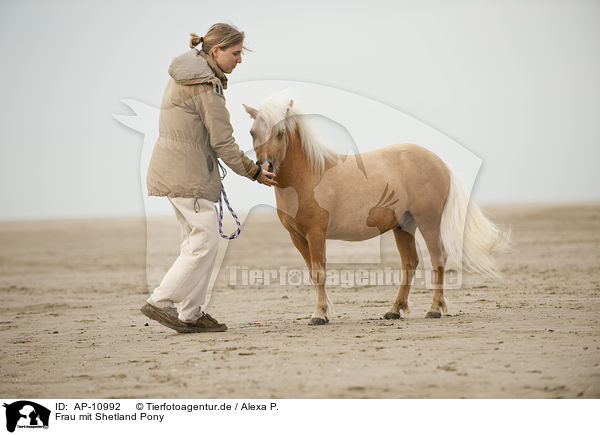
[{"x": 275, "y": 109}]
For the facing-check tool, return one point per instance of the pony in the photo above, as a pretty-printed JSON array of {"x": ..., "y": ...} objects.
[{"x": 403, "y": 187}]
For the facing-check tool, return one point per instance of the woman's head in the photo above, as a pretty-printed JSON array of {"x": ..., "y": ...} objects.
[{"x": 224, "y": 43}]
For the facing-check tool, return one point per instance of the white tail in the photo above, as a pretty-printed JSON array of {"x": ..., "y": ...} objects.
[{"x": 466, "y": 233}]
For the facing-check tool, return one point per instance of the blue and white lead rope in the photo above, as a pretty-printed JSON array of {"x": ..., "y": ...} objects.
[{"x": 223, "y": 197}]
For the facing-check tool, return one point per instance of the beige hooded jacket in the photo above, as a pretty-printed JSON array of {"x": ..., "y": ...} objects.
[{"x": 194, "y": 130}]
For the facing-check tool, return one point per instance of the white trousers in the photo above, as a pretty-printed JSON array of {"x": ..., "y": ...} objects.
[{"x": 186, "y": 282}]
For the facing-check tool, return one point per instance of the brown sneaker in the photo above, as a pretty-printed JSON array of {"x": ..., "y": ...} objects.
[
  {"x": 164, "y": 316},
  {"x": 206, "y": 323},
  {"x": 168, "y": 317}
]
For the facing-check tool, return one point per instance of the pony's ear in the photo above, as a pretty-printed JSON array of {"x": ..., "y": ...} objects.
[
  {"x": 251, "y": 111},
  {"x": 288, "y": 110}
]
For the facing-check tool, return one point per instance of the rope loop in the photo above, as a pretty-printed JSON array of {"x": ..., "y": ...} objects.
[{"x": 223, "y": 197}]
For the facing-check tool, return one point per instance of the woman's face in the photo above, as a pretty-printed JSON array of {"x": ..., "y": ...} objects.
[{"x": 229, "y": 58}]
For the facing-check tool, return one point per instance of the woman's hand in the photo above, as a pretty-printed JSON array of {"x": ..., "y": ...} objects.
[{"x": 265, "y": 176}]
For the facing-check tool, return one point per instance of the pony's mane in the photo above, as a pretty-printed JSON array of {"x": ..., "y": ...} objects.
[{"x": 275, "y": 110}]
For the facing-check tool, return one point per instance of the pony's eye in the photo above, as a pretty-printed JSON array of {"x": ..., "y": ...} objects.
[{"x": 280, "y": 133}]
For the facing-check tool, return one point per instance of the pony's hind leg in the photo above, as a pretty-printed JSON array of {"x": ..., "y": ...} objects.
[
  {"x": 405, "y": 242},
  {"x": 438, "y": 255}
]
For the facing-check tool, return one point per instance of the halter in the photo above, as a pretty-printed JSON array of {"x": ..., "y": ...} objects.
[{"x": 260, "y": 162}]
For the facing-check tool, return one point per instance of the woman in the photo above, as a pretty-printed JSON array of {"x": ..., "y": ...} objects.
[{"x": 194, "y": 130}]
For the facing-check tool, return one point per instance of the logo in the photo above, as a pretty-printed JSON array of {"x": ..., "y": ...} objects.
[{"x": 26, "y": 414}]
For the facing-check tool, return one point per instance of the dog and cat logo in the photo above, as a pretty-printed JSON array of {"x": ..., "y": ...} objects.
[{"x": 26, "y": 414}]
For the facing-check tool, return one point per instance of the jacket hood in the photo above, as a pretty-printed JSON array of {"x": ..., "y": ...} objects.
[{"x": 194, "y": 66}]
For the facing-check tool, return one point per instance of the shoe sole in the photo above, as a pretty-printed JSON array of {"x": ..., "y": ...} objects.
[{"x": 179, "y": 326}]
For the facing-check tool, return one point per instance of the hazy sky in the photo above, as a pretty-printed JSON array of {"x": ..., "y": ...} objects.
[{"x": 515, "y": 82}]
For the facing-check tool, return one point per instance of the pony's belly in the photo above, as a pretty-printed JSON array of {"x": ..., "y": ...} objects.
[
  {"x": 352, "y": 234},
  {"x": 351, "y": 225}
]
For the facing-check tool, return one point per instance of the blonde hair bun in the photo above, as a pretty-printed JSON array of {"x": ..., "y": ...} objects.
[{"x": 195, "y": 40}]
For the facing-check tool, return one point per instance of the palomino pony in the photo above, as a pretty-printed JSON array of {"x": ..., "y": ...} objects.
[{"x": 323, "y": 195}]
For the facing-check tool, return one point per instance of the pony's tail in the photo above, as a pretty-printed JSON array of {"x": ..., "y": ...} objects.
[{"x": 466, "y": 233}]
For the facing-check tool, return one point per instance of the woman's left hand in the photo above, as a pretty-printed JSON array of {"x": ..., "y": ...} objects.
[{"x": 266, "y": 177}]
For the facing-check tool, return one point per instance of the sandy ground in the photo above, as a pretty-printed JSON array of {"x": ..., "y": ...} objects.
[{"x": 70, "y": 323}]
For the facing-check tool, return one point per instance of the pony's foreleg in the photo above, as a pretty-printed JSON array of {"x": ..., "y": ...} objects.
[
  {"x": 319, "y": 317},
  {"x": 316, "y": 245},
  {"x": 302, "y": 246},
  {"x": 410, "y": 260}
]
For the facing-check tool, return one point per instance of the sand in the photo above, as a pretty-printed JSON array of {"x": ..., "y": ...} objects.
[{"x": 71, "y": 328}]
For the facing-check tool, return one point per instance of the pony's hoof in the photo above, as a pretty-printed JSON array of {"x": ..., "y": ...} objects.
[
  {"x": 433, "y": 315},
  {"x": 391, "y": 315},
  {"x": 318, "y": 321}
]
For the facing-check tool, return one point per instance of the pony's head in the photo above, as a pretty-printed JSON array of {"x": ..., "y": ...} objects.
[
  {"x": 270, "y": 132},
  {"x": 276, "y": 124}
]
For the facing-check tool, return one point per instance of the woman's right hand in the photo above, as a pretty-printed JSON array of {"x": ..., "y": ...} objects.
[{"x": 266, "y": 177}]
